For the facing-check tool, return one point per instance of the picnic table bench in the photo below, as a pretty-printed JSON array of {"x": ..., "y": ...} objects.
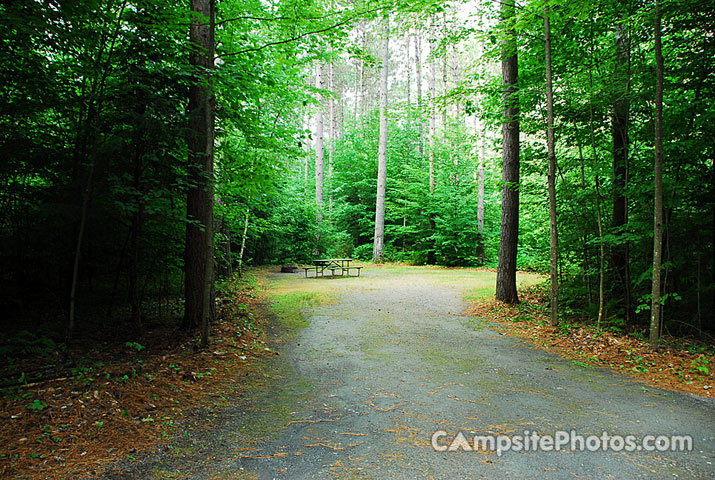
[{"x": 332, "y": 264}]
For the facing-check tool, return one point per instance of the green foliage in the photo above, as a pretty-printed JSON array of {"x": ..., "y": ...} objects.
[
  {"x": 102, "y": 89},
  {"x": 700, "y": 365},
  {"x": 37, "y": 405},
  {"x": 25, "y": 342},
  {"x": 289, "y": 307},
  {"x": 135, "y": 346}
]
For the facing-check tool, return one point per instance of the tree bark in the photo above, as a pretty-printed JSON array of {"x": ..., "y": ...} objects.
[
  {"x": 658, "y": 180},
  {"x": 362, "y": 94},
  {"x": 431, "y": 260},
  {"x": 599, "y": 219},
  {"x": 244, "y": 235},
  {"x": 620, "y": 118},
  {"x": 418, "y": 80},
  {"x": 480, "y": 206},
  {"x": 306, "y": 158},
  {"x": 445, "y": 87},
  {"x": 586, "y": 267},
  {"x": 599, "y": 214},
  {"x": 409, "y": 77},
  {"x": 331, "y": 132},
  {"x": 133, "y": 263},
  {"x": 319, "y": 143},
  {"x": 199, "y": 204},
  {"x": 506, "y": 272},
  {"x": 432, "y": 114},
  {"x": 551, "y": 147},
  {"x": 480, "y": 130},
  {"x": 378, "y": 246},
  {"x": 456, "y": 81},
  {"x": 356, "y": 86}
]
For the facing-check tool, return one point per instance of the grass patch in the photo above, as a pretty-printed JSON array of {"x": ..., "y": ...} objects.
[
  {"x": 473, "y": 323},
  {"x": 479, "y": 293},
  {"x": 273, "y": 405},
  {"x": 289, "y": 307},
  {"x": 445, "y": 360}
]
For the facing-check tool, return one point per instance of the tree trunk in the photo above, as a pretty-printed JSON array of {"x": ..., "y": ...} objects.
[
  {"x": 331, "y": 132},
  {"x": 658, "y": 173},
  {"x": 599, "y": 214},
  {"x": 378, "y": 247},
  {"x": 432, "y": 115},
  {"x": 409, "y": 77},
  {"x": 456, "y": 81},
  {"x": 444, "y": 75},
  {"x": 551, "y": 147},
  {"x": 480, "y": 207},
  {"x": 480, "y": 130},
  {"x": 306, "y": 158},
  {"x": 78, "y": 248},
  {"x": 586, "y": 268},
  {"x": 244, "y": 235},
  {"x": 199, "y": 204},
  {"x": 418, "y": 81},
  {"x": 362, "y": 94},
  {"x": 357, "y": 85},
  {"x": 431, "y": 137},
  {"x": 226, "y": 230},
  {"x": 620, "y": 114},
  {"x": 506, "y": 272},
  {"x": 133, "y": 263},
  {"x": 319, "y": 143},
  {"x": 599, "y": 221}
]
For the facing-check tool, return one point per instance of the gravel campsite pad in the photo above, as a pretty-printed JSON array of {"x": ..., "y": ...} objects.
[{"x": 386, "y": 360}]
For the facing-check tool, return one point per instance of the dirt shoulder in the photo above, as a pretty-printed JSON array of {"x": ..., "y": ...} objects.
[{"x": 680, "y": 365}]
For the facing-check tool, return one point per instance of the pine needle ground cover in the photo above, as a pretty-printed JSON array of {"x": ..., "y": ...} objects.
[
  {"x": 123, "y": 399},
  {"x": 680, "y": 364}
]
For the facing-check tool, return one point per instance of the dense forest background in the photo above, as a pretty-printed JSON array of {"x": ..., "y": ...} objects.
[{"x": 98, "y": 133}]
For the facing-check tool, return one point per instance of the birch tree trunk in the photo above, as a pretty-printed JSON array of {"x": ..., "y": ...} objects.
[
  {"x": 658, "y": 173},
  {"x": 506, "y": 271},
  {"x": 378, "y": 246},
  {"x": 551, "y": 147}
]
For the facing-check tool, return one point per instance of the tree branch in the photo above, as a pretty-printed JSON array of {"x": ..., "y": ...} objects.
[
  {"x": 306, "y": 34},
  {"x": 272, "y": 19}
]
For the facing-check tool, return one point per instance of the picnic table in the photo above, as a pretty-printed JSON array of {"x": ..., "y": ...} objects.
[{"x": 332, "y": 264}]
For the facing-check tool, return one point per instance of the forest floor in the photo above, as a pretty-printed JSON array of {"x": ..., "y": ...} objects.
[
  {"x": 349, "y": 377},
  {"x": 370, "y": 367},
  {"x": 109, "y": 400}
]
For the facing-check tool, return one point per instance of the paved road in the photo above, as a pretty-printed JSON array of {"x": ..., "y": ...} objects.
[{"x": 361, "y": 390}]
